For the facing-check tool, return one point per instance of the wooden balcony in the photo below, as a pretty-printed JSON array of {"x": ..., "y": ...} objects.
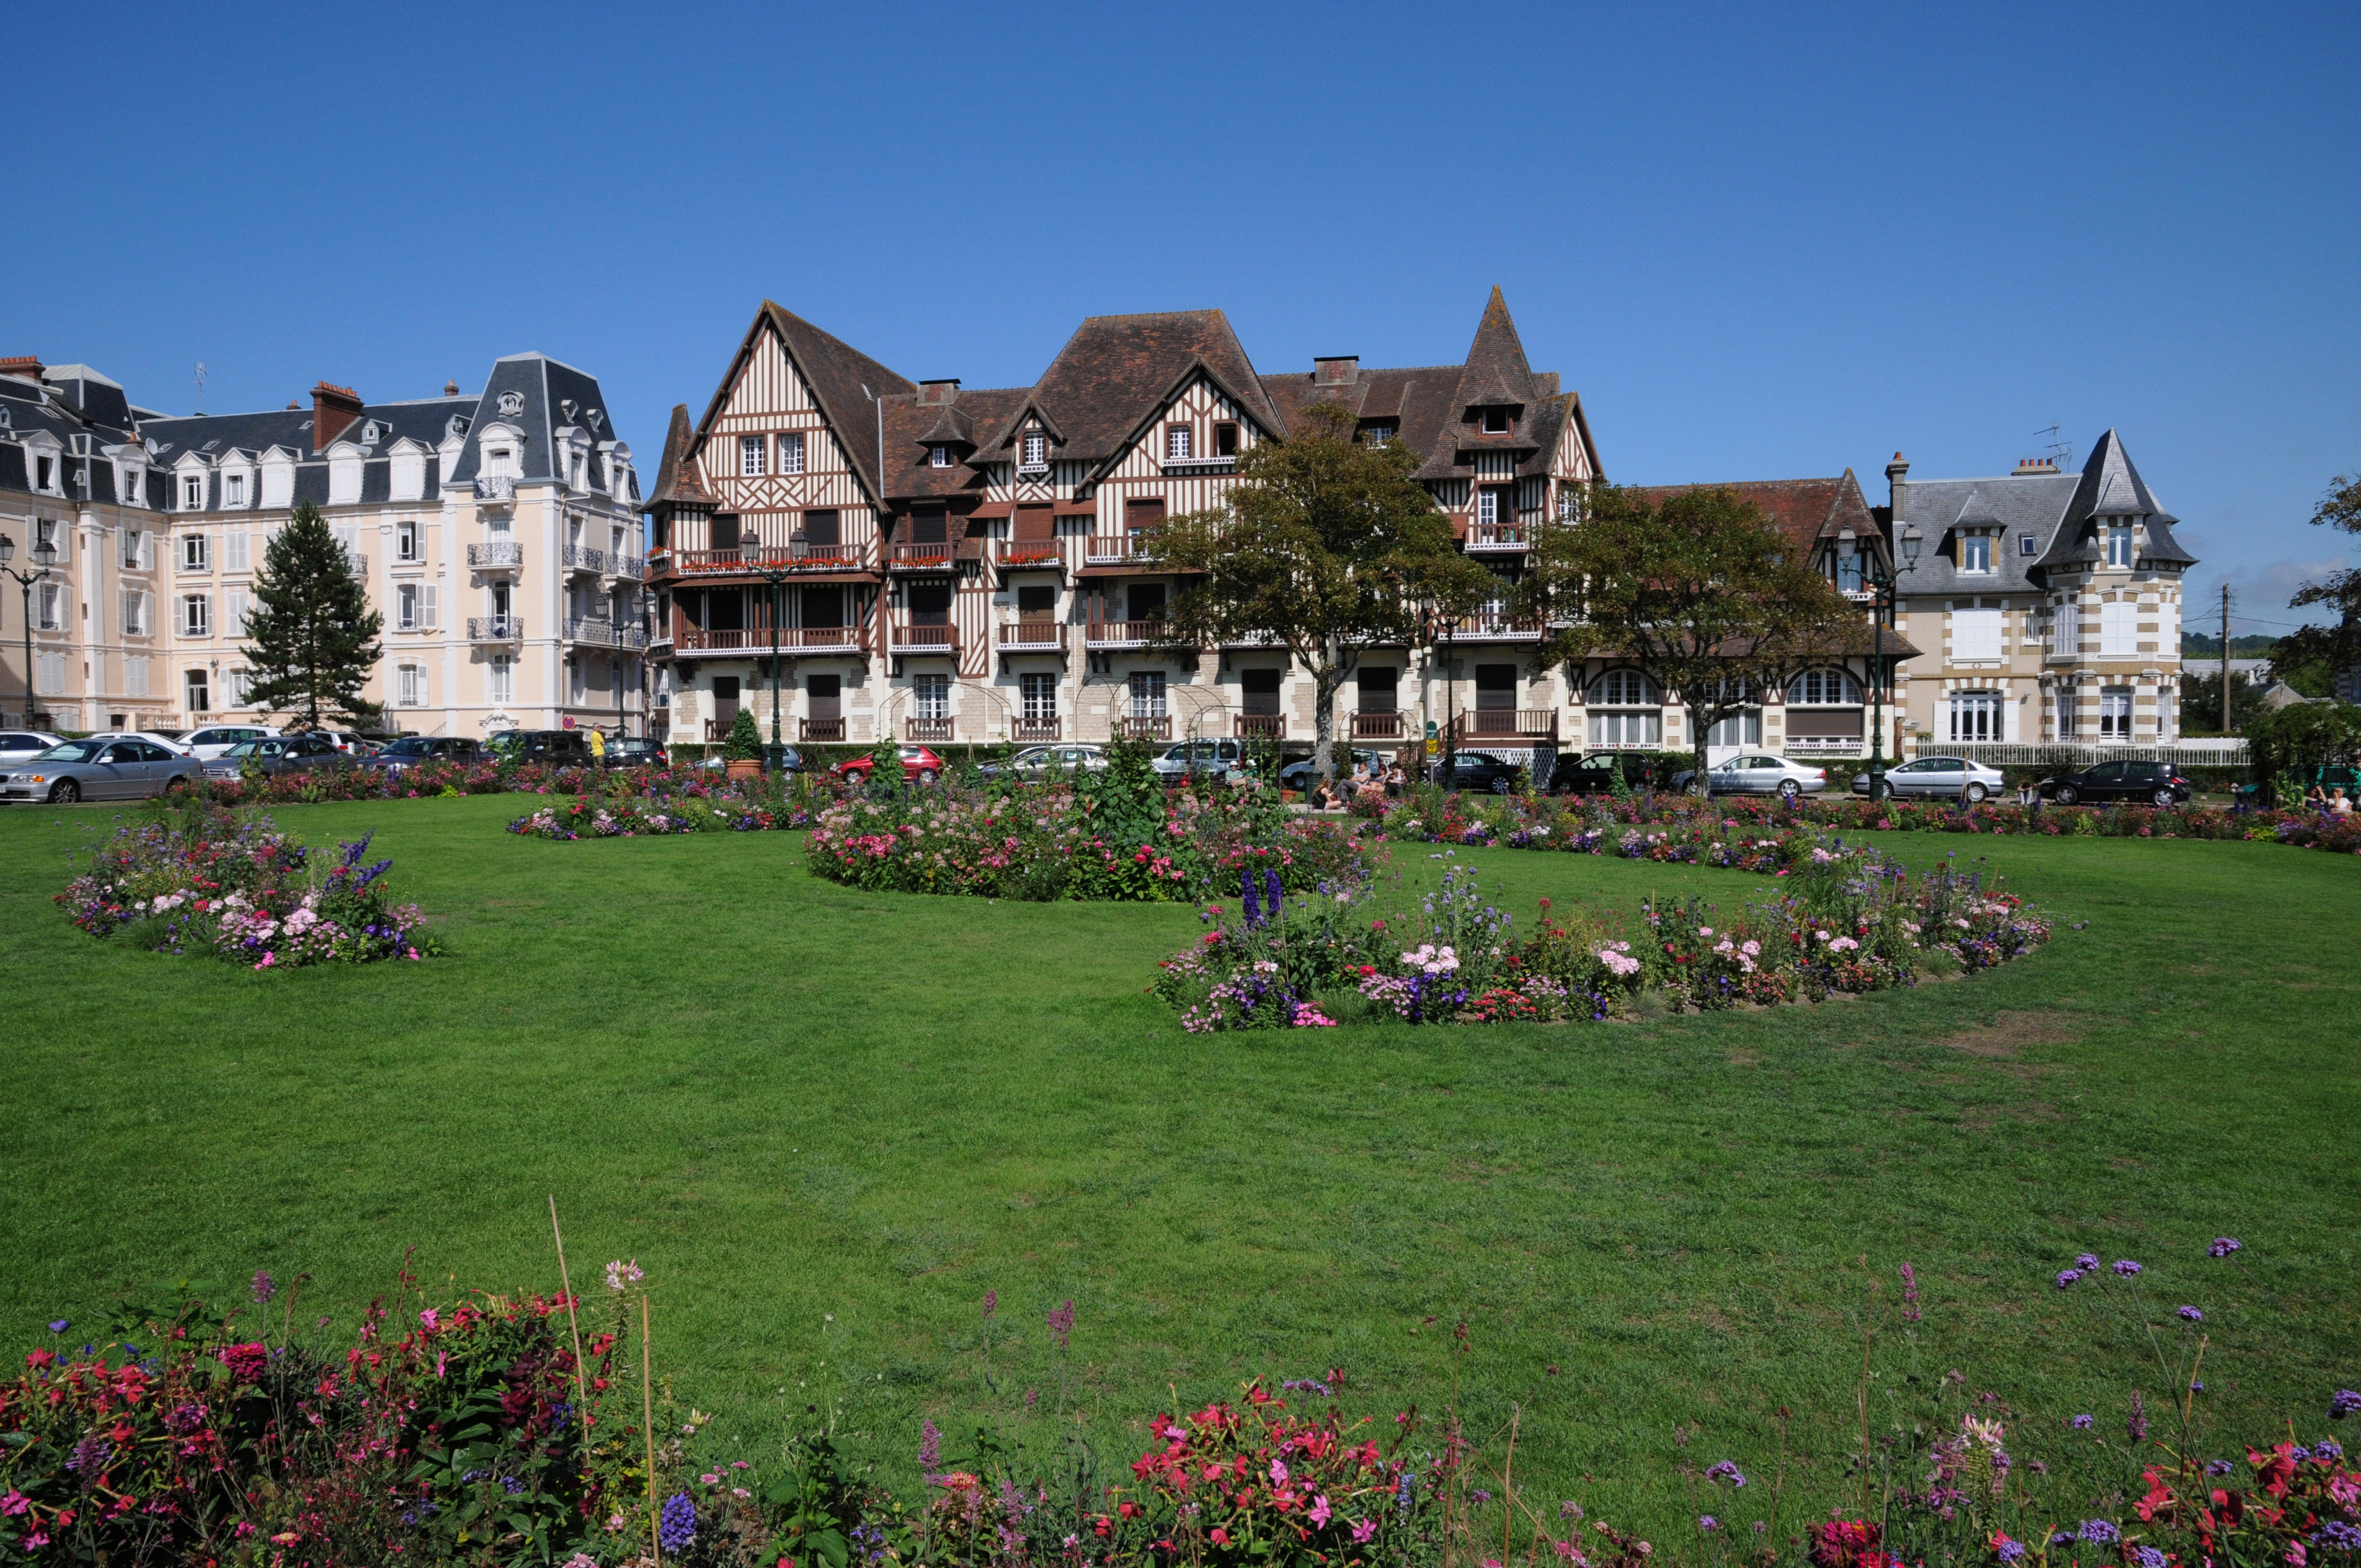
[
  {"x": 929, "y": 731},
  {"x": 1126, "y": 633},
  {"x": 906, "y": 638},
  {"x": 1508, "y": 724},
  {"x": 1032, "y": 637},
  {"x": 1032, "y": 732},
  {"x": 793, "y": 640},
  {"x": 1262, "y": 726},
  {"x": 1497, "y": 629},
  {"x": 1145, "y": 728},
  {"x": 752, "y": 558},
  {"x": 1029, "y": 555},
  {"x": 821, "y": 729},
  {"x": 1376, "y": 727},
  {"x": 937, "y": 557},
  {"x": 1499, "y": 536}
]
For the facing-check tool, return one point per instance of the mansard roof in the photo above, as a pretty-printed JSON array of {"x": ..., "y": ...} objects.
[
  {"x": 2111, "y": 487},
  {"x": 1808, "y": 511}
]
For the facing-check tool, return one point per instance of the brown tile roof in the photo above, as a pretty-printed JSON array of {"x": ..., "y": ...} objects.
[
  {"x": 912, "y": 427},
  {"x": 676, "y": 479},
  {"x": 1807, "y": 511},
  {"x": 836, "y": 372},
  {"x": 1115, "y": 371}
]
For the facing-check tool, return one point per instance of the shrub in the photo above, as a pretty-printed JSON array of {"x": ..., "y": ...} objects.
[{"x": 744, "y": 741}]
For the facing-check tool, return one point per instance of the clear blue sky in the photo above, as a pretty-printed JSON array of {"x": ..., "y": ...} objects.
[{"x": 1762, "y": 242}]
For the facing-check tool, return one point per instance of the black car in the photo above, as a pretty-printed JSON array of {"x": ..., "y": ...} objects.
[
  {"x": 551, "y": 748},
  {"x": 1595, "y": 773},
  {"x": 1479, "y": 770},
  {"x": 2152, "y": 784},
  {"x": 634, "y": 754},
  {"x": 411, "y": 750}
]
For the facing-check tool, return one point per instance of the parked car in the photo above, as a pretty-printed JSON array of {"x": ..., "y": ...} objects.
[
  {"x": 1948, "y": 778},
  {"x": 121, "y": 768},
  {"x": 634, "y": 754},
  {"x": 23, "y": 745},
  {"x": 274, "y": 754},
  {"x": 1756, "y": 772},
  {"x": 1595, "y": 773},
  {"x": 1479, "y": 770},
  {"x": 2157, "y": 783},
  {"x": 1301, "y": 775},
  {"x": 409, "y": 751},
  {"x": 919, "y": 765},
  {"x": 168, "y": 738},
  {"x": 1032, "y": 764},
  {"x": 213, "y": 740},
  {"x": 551, "y": 747},
  {"x": 1198, "y": 759}
]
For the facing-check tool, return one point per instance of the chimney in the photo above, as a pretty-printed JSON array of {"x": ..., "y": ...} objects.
[
  {"x": 943, "y": 391},
  {"x": 2033, "y": 466},
  {"x": 28, "y": 366},
  {"x": 1336, "y": 369},
  {"x": 450, "y": 388},
  {"x": 334, "y": 410},
  {"x": 1897, "y": 478}
]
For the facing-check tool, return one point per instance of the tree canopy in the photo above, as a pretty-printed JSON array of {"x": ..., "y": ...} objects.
[
  {"x": 1327, "y": 546},
  {"x": 312, "y": 638},
  {"x": 1698, "y": 590},
  {"x": 2336, "y": 647}
]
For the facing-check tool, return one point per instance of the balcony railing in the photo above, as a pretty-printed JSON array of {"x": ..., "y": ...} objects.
[
  {"x": 598, "y": 628},
  {"x": 1376, "y": 727},
  {"x": 498, "y": 489},
  {"x": 1032, "y": 637},
  {"x": 1262, "y": 726},
  {"x": 910, "y": 639},
  {"x": 1034, "y": 554},
  {"x": 495, "y": 628},
  {"x": 1156, "y": 727},
  {"x": 819, "y": 730},
  {"x": 937, "y": 557},
  {"x": 793, "y": 556},
  {"x": 495, "y": 557},
  {"x": 1497, "y": 629},
  {"x": 623, "y": 564},
  {"x": 1113, "y": 549},
  {"x": 1509, "y": 723},
  {"x": 1827, "y": 745},
  {"x": 1499, "y": 536},
  {"x": 356, "y": 565},
  {"x": 183, "y": 564},
  {"x": 927, "y": 731},
  {"x": 582, "y": 558},
  {"x": 1032, "y": 732},
  {"x": 1125, "y": 633},
  {"x": 757, "y": 639}
]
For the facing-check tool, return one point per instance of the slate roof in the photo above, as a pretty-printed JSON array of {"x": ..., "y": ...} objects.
[
  {"x": 554, "y": 395},
  {"x": 2110, "y": 486},
  {"x": 69, "y": 400},
  {"x": 2057, "y": 510}
]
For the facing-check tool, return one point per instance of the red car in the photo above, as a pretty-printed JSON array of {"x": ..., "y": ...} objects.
[{"x": 919, "y": 765}]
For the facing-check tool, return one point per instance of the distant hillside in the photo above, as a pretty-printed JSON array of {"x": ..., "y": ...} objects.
[{"x": 2199, "y": 646}]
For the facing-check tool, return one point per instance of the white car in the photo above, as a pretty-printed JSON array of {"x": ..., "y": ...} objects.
[
  {"x": 1756, "y": 772},
  {"x": 213, "y": 740},
  {"x": 17, "y": 745},
  {"x": 171, "y": 743},
  {"x": 1948, "y": 778}
]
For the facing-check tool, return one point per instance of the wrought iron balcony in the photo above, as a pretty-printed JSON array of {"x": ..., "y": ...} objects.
[
  {"x": 495, "y": 628},
  {"x": 495, "y": 557}
]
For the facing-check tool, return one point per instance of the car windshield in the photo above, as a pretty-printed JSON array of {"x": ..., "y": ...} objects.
[
  {"x": 71, "y": 751},
  {"x": 411, "y": 746},
  {"x": 255, "y": 749}
]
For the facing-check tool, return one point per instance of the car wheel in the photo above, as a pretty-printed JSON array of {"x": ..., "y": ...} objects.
[
  {"x": 65, "y": 792},
  {"x": 2067, "y": 794},
  {"x": 1500, "y": 785},
  {"x": 926, "y": 775},
  {"x": 2165, "y": 797},
  {"x": 1788, "y": 790},
  {"x": 1976, "y": 793},
  {"x": 856, "y": 778}
]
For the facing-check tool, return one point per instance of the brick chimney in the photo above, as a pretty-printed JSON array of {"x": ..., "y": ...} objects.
[
  {"x": 941, "y": 391},
  {"x": 28, "y": 366},
  {"x": 1898, "y": 481},
  {"x": 2033, "y": 466},
  {"x": 334, "y": 410},
  {"x": 1335, "y": 370}
]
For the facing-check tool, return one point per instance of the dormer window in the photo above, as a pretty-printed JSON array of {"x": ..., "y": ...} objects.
[
  {"x": 1498, "y": 419},
  {"x": 1036, "y": 449},
  {"x": 2025, "y": 544},
  {"x": 1177, "y": 441},
  {"x": 1975, "y": 553},
  {"x": 192, "y": 492},
  {"x": 939, "y": 456},
  {"x": 751, "y": 456},
  {"x": 1848, "y": 568},
  {"x": 131, "y": 487},
  {"x": 2119, "y": 544},
  {"x": 234, "y": 489},
  {"x": 45, "y": 473},
  {"x": 791, "y": 452}
]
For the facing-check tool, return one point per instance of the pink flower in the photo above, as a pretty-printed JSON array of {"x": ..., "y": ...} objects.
[
  {"x": 1320, "y": 1515},
  {"x": 1363, "y": 1531},
  {"x": 16, "y": 1502},
  {"x": 1278, "y": 1473},
  {"x": 432, "y": 1319}
]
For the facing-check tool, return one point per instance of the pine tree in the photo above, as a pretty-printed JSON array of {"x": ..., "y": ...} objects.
[{"x": 312, "y": 639}]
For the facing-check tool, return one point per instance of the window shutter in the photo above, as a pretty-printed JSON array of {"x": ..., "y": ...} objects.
[
  {"x": 123, "y": 613},
  {"x": 209, "y": 614},
  {"x": 427, "y": 606}
]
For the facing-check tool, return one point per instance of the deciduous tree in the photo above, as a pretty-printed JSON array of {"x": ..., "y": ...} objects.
[{"x": 2336, "y": 647}]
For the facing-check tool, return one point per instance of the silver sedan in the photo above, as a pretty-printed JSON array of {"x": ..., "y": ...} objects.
[
  {"x": 97, "y": 769},
  {"x": 1948, "y": 778}
]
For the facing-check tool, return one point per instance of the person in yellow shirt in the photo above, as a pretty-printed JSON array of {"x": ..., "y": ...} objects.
[{"x": 598, "y": 746}]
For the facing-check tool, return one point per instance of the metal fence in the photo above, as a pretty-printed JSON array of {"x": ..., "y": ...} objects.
[{"x": 2221, "y": 753}]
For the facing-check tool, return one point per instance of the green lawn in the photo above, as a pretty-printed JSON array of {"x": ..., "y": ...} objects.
[{"x": 790, "y": 1100}]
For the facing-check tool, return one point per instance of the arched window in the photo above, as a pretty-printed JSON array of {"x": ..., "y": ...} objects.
[
  {"x": 1623, "y": 688},
  {"x": 1823, "y": 688}
]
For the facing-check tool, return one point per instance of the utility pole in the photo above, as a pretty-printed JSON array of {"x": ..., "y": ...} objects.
[{"x": 2226, "y": 658}]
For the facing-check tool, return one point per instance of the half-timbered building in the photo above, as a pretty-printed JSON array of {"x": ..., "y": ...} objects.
[{"x": 944, "y": 564}]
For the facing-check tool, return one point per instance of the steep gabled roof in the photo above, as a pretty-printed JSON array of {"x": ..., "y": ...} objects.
[
  {"x": 1116, "y": 370},
  {"x": 2110, "y": 486},
  {"x": 1497, "y": 370},
  {"x": 836, "y": 374},
  {"x": 676, "y": 477}
]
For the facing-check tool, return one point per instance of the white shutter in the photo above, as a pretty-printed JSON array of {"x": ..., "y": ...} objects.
[
  {"x": 1975, "y": 634},
  {"x": 239, "y": 560},
  {"x": 2116, "y": 638},
  {"x": 236, "y": 627},
  {"x": 426, "y": 595},
  {"x": 126, "y": 611},
  {"x": 207, "y": 606}
]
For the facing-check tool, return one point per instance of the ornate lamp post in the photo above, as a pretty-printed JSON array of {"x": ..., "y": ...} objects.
[
  {"x": 774, "y": 756},
  {"x": 1882, "y": 587},
  {"x": 44, "y": 555}
]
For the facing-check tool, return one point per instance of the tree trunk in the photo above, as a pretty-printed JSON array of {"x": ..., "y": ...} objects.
[
  {"x": 1698, "y": 730},
  {"x": 1327, "y": 675}
]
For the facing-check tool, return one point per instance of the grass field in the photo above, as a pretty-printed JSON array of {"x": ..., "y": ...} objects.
[{"x": 826, "y": 1122}]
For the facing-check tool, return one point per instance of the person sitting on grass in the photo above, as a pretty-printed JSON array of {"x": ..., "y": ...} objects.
[
  {"x": 2315, "y": 798},
  {"x": 2339, "y": 803},
  {"x": 1321, "y": 798}
]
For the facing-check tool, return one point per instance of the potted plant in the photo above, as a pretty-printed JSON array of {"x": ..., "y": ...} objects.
[{"x": 744, "y": 749}]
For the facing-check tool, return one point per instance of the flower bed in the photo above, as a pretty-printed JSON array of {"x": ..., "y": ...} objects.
[
  {"x": 236, "y": 887},
  {"x": 629, "y": 817},
  {"x": 1849, "y": 921}
]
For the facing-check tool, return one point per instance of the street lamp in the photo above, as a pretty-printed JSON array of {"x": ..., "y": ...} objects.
[
  {"x": 1882, "y": 587},
  {"x": 775, "y": 757},
  {"x": 44, "y": 555}
]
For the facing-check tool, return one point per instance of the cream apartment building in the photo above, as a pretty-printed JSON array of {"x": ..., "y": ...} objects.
[{"x": 497, "y": 534}]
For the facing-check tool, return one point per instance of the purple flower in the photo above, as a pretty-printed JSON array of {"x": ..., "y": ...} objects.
[
  {"x": 2191, "y": 1315},
  {"x": 930, "y": 1450},
  {"x": 1569, "y": 1510},
  {"x": 2099, "y": 1532},
  {"x": 2010, "y": 1551},
  {"x": 2127, "y": 1267},
  {"x": 991, "y": 1304},
  {"x": 1909, "y": 1295},
  {"x": 1726, "y": 1471},
  {"x": 1270, "y": 888},
  {"x": 677, "y": 1526},
  {"x": 2066, "y": 1277},
  {"x": 2223, "y": 1247},
  {"x": 2135, "y": 1424},
  {"x": 2082, "y": 1423},
  {"x": 2338, "y": 1536},
  {"x": 1480, "y": 1495},
  {"x": 2087, "y": 1261},
  {"x": 2061, "y": 1538},
  {"x": 1707, "y": 1522},
  {"x": 2150, "y": 1557},
  {"x": 2219, "y": 1467},
  {"x": 1061, "y": 1322},
  {"x": 264, "y": 1287},
  {"x": 2343, "y": 1403},
  {"x": 59, "y": 1326},
  {"x": 1250, "y": 897}
]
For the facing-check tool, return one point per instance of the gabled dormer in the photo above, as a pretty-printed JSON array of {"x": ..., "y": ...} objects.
[
  {"x": 129, "y": 462},
  {"x": 45, "y": 467},
  {"x": 406, "y": 464},
  {"x": 346, "y": 459},
  {"x": 192, "y": 483},
  {"x": 1028, "y": 438},
  {"x": 279, "y": 478},
  {"x": 1496, "y": 385}
]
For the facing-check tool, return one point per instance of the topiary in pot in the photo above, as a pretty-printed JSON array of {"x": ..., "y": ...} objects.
[{"x": 743, "y": 748}]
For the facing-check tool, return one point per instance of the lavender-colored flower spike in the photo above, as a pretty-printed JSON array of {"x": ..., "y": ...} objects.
[
  {"x": 991, "y": 1304},
  {"x": 1250, "y": 896},
  {"x": 1270, "y": 889}
]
